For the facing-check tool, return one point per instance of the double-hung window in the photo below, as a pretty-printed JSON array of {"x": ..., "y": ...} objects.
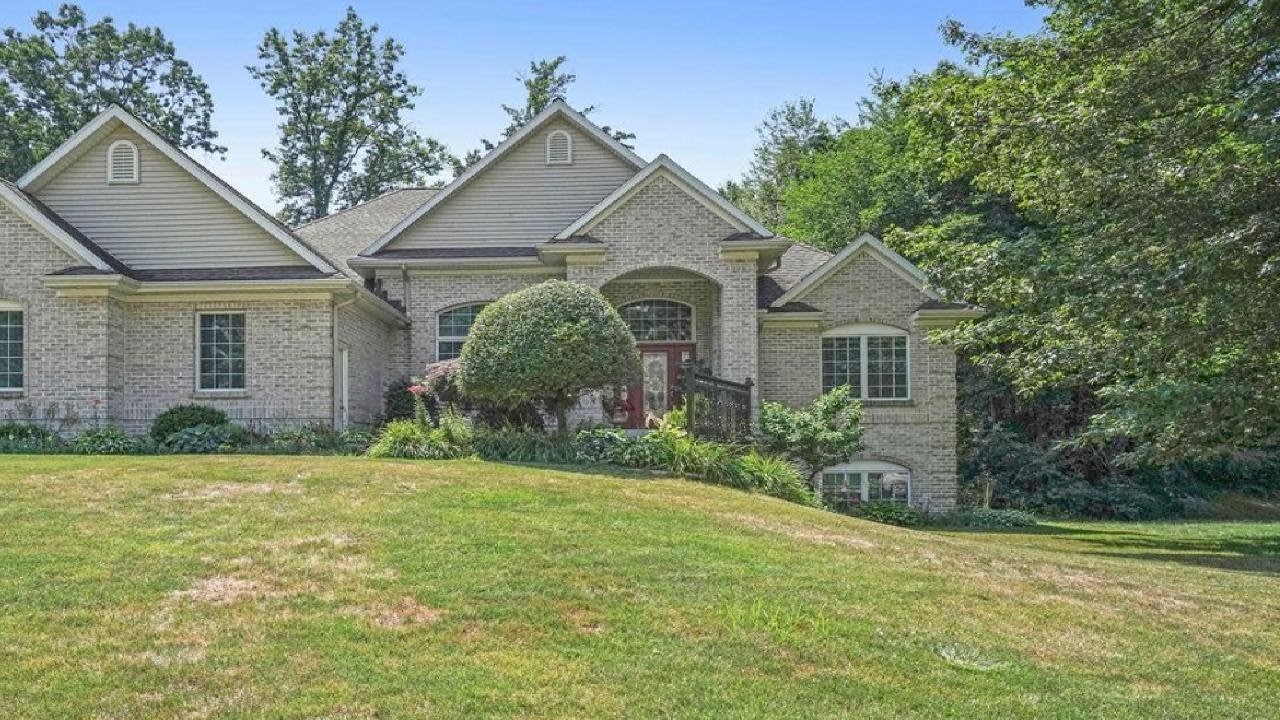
[
  {"x": 221, "y": 352},
  {"x": 12, "y": 341},
  {"x": 873, "y": 360},
  {"x": 452, "y": 328}
]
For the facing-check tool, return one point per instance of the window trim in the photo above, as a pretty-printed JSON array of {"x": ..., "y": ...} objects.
[
  {"x": 568, "y": 139},
  {"x": 203, "y": 391},
  {"x": 863, "y": 468},
  {"x": 137, "y": 162},
  {"x": 693, "y": 320},
  {"x": 9, "y": 306},
  {"x": 454, "y": 338},
  {"x": 863, "y": 331}
]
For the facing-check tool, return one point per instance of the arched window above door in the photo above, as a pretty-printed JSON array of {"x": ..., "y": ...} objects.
[{"x": 659, "y": 320}]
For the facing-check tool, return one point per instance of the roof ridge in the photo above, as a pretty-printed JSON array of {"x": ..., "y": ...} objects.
[{"x": 359, "y": 205}]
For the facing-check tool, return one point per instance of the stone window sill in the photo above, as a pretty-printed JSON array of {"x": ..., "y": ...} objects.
[
  {"x": 220, "y": 394},
  {"x": 12, "y": 394},
  {"x": 888, "y": 403}
]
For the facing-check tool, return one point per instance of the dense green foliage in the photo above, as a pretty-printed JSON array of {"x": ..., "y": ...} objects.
[
  {"x": 547, "y": 344},
  {"x": 208, "y": 438},
  {"x": 58, "y": 78},
  {"x": 342, "y": 100},
  {"x": 992, "y": 519},
  {"x": 182, "y": 417},
  {"x": 826, "y": 433},
  {"x": 452, "y": 438},
  {"x": 110, "y": 441},
  {"x": 397, "y": 401},
  {"x": 888, "y": 511},
  {"x": 521, "y": 445}
]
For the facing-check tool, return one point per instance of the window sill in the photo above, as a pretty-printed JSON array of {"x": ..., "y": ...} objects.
[
  {"x": 888, "y": 403},
  {"x": 220, "y": 394},
  {"x": 12, "y": 394}
]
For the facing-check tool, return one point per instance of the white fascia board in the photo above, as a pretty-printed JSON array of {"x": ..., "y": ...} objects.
[
  {"x": 557, "y": 108},
  {"x": 60, "y": 237},
  {"x": 868, "y": 242},
  {"x": 692, "y": 185},
  {"x": 37, "y": 176}
]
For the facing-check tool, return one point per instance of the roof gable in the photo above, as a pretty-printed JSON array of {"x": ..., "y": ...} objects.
[
  {"x": 116, "y": 123},
  {"x": 865, "y": 243},
  {"x": 558, "y": 112},
  {"x": 663, "y": 166}
]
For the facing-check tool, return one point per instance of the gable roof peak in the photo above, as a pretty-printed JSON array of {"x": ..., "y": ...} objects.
[
  {"x": 98, "y": 127},
  {"x": 557, "y": 108},
  {"x": 866, "y": 242},
  {"x": 700, "y": 190}
]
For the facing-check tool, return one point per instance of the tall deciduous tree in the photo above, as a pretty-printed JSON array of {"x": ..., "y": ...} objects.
[
  {"x": 790, "y": 134},
  {"x": 544, "y": 83},
  {"x": 1147, "y": 135},
  {"x": 342, "y": 100},
  {"x": 56, "y": 79}
]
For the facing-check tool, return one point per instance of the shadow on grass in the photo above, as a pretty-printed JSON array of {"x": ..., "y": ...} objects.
[{"x": 1251, "y": 553}]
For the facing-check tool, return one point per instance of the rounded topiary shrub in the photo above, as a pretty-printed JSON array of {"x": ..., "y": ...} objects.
[
  {"x": 547, "y": 344},
  {"x": 185, "y": 416}
]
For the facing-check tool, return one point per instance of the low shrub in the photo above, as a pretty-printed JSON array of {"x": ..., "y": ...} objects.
[
  {"x": 397, "y": 401},
  {"x": 204, "y": 439},
  {"x": 317, "y": 439},
  {"x": 777, "y": 477},
  {"x": 28, "y": 438},
  {"x": 111, "y": 441},
  {"x": 827, "y": 432},
  {"x": 182, "y": 417},
  {"x": 412, "y": 439},
  {"x": 887, "y": 511},
  {"x": 990, "y": 518},
  {"x": 531, "y": 446},
  {"x": 599, "y": 445}
]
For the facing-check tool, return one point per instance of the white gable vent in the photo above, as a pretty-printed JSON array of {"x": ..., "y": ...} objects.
[
  {"x": 559, "y": 148},
  {"x": 122, "y": 162}
]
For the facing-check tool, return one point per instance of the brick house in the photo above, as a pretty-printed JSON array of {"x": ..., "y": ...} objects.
[{"x": 134, "y": 280}]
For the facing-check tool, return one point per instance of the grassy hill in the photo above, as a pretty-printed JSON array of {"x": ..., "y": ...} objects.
[{"x": 245, "y": 587}]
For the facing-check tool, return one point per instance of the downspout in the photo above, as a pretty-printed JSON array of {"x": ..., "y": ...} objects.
[{"x": 337, "y": 369}]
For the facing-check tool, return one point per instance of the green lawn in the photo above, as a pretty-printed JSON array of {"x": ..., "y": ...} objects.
[{"x": 238, "y": 587}]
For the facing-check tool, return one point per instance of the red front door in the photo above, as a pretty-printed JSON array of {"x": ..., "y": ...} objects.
[{"x": 653, "y": 397}]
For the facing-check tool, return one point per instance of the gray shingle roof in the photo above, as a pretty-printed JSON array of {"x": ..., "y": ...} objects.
[
  {"x": 344, "y": 234},
  {"x": 797, "y": 262}
]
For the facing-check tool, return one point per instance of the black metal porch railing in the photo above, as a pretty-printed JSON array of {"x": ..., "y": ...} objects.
[{"x": 715, "y": 408}]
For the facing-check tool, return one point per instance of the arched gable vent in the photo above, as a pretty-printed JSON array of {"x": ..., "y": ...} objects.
[
  {"x": 122, "y": 162},
  {"x": 559, "y": 148}
]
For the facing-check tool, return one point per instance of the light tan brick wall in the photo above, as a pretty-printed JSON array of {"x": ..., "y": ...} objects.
[
  {"x": 66, "y": 360},
  {"x": 661, "y": 226},
  {"x": 288, "y": 362},
  {"x": 919, "y": 434},
  {"x": 428, "y": 294},
  {"x": 372, "y": 345},
  {"x": 700, "y": 294}
]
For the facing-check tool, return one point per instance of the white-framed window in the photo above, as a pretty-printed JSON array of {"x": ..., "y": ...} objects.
[
  {"x": 849, "y": 484},
  {"x": 658, "y": 320},
  {"x": 220, "y": 351},
  {"x": 12, "y": 345},
  {"x": 452, "y": 327},
  {"x": 559, "y": 148},
  {"x": 873, "y": 360},
  {"x": 122, "y": 162}
]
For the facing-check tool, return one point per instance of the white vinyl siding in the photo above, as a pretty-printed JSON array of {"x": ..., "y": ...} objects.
[
  {"x": 171, "y": 220},
  {"x": 520, "y": 199}
]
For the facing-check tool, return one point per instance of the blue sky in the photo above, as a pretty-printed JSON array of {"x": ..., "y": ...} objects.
[{"x": 691, "y": 79}]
